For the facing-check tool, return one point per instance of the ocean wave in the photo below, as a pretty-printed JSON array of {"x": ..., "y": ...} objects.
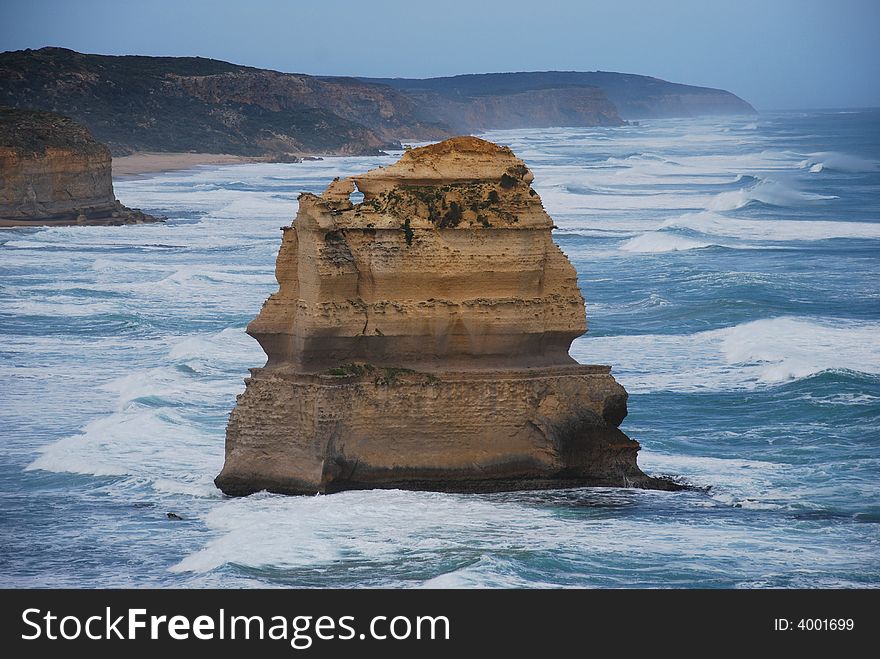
[
  {"x": 373, "y": 526},
  {"x": 458, "y": 538},
  {"x": 60, "y": 306},
  {"x": 653, "y": 301},
  {"x": 638, "y": 158},
  {"x": 714, "y": 224},
  {"x": 229, "y": 347},
  {"x": 151, "y": 436},
  {"x": 488, "y": 571},
  {"x": 846, "y": 399},
  {"x": 445, "y": 540},
  {"x": 732, "y": 480},
  {"x": 658, "y": 242},
  {"x": 767, "y": 192},
  {"x": 130, "y": 443},
  {"x": 751, "y": 355},
  {"x": 837, "y": 162},
  {"x": 25, "y": 244}
]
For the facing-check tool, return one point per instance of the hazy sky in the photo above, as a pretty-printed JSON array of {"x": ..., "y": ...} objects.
[{"x": 773, "y": 53}]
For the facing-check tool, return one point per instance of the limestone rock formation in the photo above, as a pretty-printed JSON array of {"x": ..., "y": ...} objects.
[
  {"x": 419, "y": 339},
  {"x": 54, "y": 172}
]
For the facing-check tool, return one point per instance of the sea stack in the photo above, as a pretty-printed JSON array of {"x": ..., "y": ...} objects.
[
  {"x": 419, "y": 339},
  {"x": 55, "y": 173}
]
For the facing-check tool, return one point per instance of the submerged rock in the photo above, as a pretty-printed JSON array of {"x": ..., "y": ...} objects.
[
  {"x": 419, "y": 339},
  {"x": 54, "y": 172}
]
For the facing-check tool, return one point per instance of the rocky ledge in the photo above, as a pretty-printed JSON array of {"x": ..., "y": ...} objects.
[
  {"x": 55, "y": 173},
  {"x": 419, "y": 339}
]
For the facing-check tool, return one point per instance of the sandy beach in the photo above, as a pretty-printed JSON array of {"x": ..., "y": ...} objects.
[{"x": 149, "y": 162}]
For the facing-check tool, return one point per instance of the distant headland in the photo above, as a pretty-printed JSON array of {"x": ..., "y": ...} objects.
[{"x": 197, "y": 105}]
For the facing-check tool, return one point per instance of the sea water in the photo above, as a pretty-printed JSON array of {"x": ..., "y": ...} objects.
[{"x": 731, "y": 269}]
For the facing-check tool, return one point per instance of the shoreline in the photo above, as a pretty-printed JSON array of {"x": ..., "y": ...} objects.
[{"x": 148, "y": 162}]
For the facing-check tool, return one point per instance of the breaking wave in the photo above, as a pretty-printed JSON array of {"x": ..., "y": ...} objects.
[
  {"x": 773, "y": 229},
  {"x": 767, "y": 192},
  {"x": 750, "y": 355}
]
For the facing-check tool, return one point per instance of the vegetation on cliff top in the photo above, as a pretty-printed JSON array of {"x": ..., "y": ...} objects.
[
  {"x": 633, "y": 96},
  {"x": 137, "y": 103},
  {"x": 32, "y": 131},
  {"x": 143, "y": 103}
]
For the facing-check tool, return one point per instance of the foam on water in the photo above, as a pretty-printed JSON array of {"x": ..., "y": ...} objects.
[
  {"x": 778, "y": 230},
  {"x": 838, "y": 162},
  {"x": 750, "y": 355},
  {"x": 656, "y": 241},
  {"x": 156, "y": 405},
  {"x": 767, "y": 191},
  {"x": 686, "y": 234},
  {"x": 443, "y": 540}
]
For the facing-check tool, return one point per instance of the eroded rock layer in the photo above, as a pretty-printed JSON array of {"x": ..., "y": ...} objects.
[
  {"x": 420, "y": 339},
  {"x": 54, "y": 172}
]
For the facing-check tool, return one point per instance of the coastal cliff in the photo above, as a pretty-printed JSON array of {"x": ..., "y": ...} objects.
[
  {"x": 561, "y": 98},
  {"x": 419, "y": 339},
  {"x": 54, "y": 172},
  {"x": 477, "y": 110},
  {"x": 194, "y": 104}
]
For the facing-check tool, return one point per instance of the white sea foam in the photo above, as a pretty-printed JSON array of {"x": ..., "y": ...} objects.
[
  {"x": 767, "y": 191},
  {"x": 25, "y": 244},
  {"x": 230, "y": 346},
  {"x": 149, "y": 437},
  {"x": 259, "y": 530},
  {"x": 407, "y": 536},
  {"x": 772, "y": 229},
  {"x": 838, "y": 162},
  {"x": 129, "y": 443},
  {"x": 166, "y": 389},
  {"x": 657, "y": 241},
  {"x": 60, "y": 306},
  {"x": 739, "y": 482},
  {"x": 746, "y": 356}
]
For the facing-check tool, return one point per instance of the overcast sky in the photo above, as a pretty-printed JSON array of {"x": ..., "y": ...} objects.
[{"x": 774, "y": 53}]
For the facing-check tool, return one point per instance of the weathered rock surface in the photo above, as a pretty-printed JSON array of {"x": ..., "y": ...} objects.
[
  {"x": 54, "y": 172},
  {"x": 419, "y": 339}
]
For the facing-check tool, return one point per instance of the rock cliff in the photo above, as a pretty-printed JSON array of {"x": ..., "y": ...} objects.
[
  {"x": 479, "y": 110},
  {"x": 183, "y": 104},
  {"x": 562, "y": 98},
  {"x": 54, "y": 172},
  {"x": 419, "y": 339}
]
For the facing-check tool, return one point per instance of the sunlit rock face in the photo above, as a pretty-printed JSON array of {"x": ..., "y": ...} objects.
[{"x": 419, "y": 339}]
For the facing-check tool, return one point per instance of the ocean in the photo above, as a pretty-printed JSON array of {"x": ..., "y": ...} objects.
[{"x": 731, "y": 268}]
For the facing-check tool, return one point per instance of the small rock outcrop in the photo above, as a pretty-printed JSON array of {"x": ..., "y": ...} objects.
[
  {"x": 419, "y": 339},
  {"x": 54, "y": 172}
]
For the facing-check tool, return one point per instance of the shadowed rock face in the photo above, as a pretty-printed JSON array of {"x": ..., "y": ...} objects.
[
  {"x": 54, "y": 172},
  {"x": 420, "y": 339}
]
